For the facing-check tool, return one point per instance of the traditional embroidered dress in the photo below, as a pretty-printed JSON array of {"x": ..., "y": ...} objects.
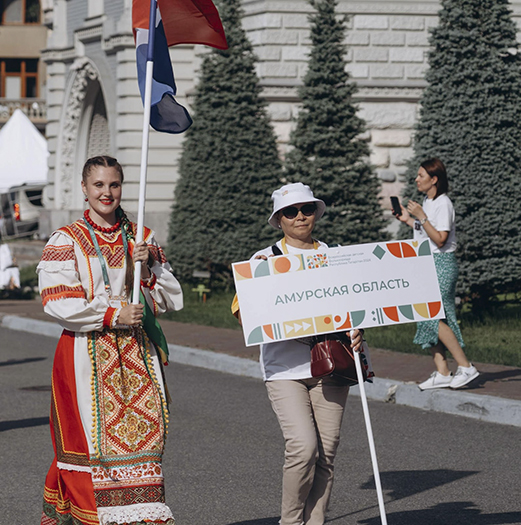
[{"x": 109, "y": 414}]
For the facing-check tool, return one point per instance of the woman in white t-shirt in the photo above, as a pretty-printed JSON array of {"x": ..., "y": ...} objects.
[
  {"x": 435, "y": 221},
  {"x": 309, "y": 410}
]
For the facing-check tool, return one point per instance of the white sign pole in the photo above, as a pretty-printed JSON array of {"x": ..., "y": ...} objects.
[
  {"x": 144, "y": 148},
  {"x": 370, "y": 437}
]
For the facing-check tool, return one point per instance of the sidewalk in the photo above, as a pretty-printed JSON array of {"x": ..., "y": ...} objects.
[{"x": 494, "y": 396}]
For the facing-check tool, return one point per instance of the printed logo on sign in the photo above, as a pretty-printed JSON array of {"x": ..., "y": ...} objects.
[
  {"x": 395, "y": 282},
  {"x": 318, "y": 260},
  {"x": 287, "y": 263},
  {"x": 383, "y": 315},
  {"x": 242, "y": 271},
  {"x": 299, "y": 327},
  {"x": 250, "y": 270}
]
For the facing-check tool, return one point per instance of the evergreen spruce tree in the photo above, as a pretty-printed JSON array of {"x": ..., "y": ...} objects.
[
  {"x": 328, "y": 154},
  {"x": 471, "y": 119},
  {"x": 229, "y": 165}
]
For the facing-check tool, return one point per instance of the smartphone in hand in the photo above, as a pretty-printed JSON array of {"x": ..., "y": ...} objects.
[{"x": 395, "y": 203}]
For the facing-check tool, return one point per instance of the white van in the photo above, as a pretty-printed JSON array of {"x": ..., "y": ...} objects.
[{"x": 20, "y": 211}]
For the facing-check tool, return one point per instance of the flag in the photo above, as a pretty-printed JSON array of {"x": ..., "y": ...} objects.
[
  {"x": 166, "y": 114},
  {"x": 177, "y": 22},
  {"x": 184, "y": 21}
]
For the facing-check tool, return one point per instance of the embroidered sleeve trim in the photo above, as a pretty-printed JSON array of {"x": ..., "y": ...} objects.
[
  {"x": 55, "y": 293},
  {"x": 157, "y": 253},
  {"x": 115, "y": 318},
  {"x": 150, "y": 282},
  {"x": 56, "y": 266},
  {"x": 58, "y": 253},
  {"x": 110, "y": 317},
  {"x": 76, "y": 468}
]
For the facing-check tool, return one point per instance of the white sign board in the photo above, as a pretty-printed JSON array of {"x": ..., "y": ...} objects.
[{"x": 336, "y": 289}]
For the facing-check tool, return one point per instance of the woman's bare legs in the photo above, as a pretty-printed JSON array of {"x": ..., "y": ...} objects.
[
  {"x": 448, "y": 341},
  {"x": 440, "y": 359}
]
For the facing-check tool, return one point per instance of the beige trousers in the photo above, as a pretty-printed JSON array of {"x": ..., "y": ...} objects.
[{"x": 310, "y": 416}]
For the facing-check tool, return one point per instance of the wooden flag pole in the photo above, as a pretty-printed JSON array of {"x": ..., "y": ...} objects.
[{"x": 144, "y": 146}]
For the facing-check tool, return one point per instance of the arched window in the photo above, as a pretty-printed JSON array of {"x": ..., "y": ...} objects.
[
  {"x": 99, "y": 133},
  {"x": 20, "y": 11}
]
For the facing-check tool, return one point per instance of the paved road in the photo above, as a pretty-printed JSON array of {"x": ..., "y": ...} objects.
[{"x": 224, "y": 453}]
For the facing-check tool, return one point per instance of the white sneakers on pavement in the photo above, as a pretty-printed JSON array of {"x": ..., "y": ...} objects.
[
  {"x": 464, "y": 375},
  {"x": 436, "y": 380}
]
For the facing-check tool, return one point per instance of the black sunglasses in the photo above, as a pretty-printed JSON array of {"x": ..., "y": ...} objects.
[{"x": 292, "y": 211}]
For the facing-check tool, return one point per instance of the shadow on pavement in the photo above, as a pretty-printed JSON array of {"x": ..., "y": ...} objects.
[
  {"x": 261, "y": 521},
  {"x": 455, "y": 513},
  {"x": 38, "y": 388},
  {"x": 401, "y": 484},
  {"x": 492, "y": 377},
  {"x": 24, "y": 423},
  {"x": 21, "y": 361}
]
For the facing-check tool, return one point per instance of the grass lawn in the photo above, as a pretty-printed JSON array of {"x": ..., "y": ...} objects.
[
  {"x": 215, "y": 312},
  {"x": 496, "y": 338}
]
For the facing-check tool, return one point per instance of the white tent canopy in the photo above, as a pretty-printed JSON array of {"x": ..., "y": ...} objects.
[{"x": 23, "y": 153}]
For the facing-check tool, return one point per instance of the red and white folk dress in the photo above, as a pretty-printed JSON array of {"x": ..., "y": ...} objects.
[{"x": 109, "y": 414}]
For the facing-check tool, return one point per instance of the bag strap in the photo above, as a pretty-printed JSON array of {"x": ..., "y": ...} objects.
[{"x": 276, "y": 250}]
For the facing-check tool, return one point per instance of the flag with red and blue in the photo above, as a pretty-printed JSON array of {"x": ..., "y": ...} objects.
[{"x": 174, "y": 22}]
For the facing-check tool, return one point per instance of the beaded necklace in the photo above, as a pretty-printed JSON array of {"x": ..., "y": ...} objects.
[
  {"x": 101, "y": 229},
  {"x": 90, "y": 226}
]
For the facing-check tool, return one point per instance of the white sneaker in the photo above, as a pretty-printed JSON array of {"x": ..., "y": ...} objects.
[
  {"x": 464, "y": 375},
  {"x": 436, "y": 380}
]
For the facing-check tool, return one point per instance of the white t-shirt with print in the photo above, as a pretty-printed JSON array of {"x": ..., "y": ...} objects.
[
  {"x": 285, "y": 359},
  {"x": 440, "y": 212}
]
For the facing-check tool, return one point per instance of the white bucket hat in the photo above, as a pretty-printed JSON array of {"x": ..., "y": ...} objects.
[{"x": 291, "y": 194}]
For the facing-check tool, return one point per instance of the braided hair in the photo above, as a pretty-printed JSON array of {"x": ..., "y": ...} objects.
[
  {"x": 103, "y": 161},
  {"x": 128, "y": 231}
]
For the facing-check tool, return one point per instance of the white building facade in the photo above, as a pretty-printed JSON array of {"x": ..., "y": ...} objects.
[{"x": 94, "y": 106}]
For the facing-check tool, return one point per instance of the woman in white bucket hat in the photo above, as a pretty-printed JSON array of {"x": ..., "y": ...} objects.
[{"x": 309, "y": 410}]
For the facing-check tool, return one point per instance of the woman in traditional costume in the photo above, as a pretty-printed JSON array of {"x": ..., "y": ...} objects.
[{"x": 109, "y": 412}]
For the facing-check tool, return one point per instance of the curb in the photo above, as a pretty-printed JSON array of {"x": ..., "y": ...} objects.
[
  {"x": 33, "y": 326},
  {"x": 228, "y": 364},
  {"x": 491, "y": 409}
]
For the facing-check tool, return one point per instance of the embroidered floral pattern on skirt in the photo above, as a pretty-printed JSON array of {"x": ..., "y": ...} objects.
[{"x": 129, "y": 429}]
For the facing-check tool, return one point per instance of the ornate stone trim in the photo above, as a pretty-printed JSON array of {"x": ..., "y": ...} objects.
[
  {"x": 389, "y": 94},
  {"x": 34, "y": 108},
  {"x": 280, "y": 93},
  {"x": 89, "y": 34},
  {"x": 381, "y": 7},
  {"x": 406, "y": 7},
  {"x": 118, "y": 42},
  {"x": 58, "y": 55},
  {"x": 82, "y": 73},
  {"x": 354, "y": 7},
  {"x": 289, "y": 93}
]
